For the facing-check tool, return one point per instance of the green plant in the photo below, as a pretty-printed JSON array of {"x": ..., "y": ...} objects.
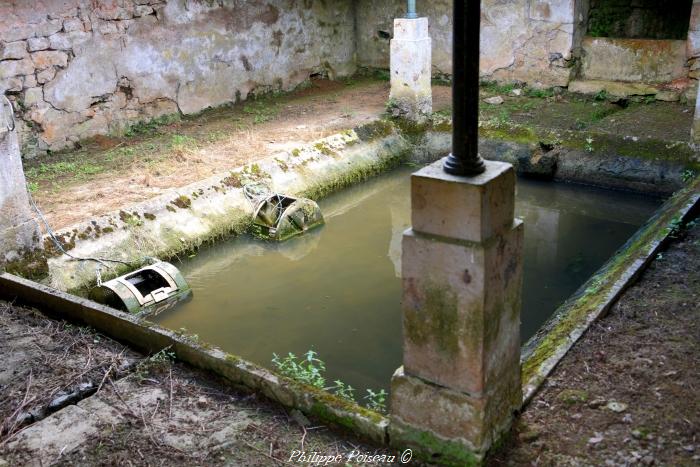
[
  {"x": 376, "y": 400},
  {"x": 155, "y": 362},
  {"x": 150, "y": 126},
  {"x": 343, "y": 390},
  {"x": 540, "y": 93},
  {"x": 181, "y": 141},
  {"x": 688, "y": 175},
  {"x": 32, "y": 187},
  {"x": 589, "y": 144},
  {"x": 260, "y": 111},
  {"x": 601, "y": 95},
  {"x": 308, "y": 370}
]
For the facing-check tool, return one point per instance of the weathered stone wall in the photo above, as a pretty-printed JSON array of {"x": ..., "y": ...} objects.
[
  {"x": 526, "y": 40},
  {"x": 77, "y": 68}
]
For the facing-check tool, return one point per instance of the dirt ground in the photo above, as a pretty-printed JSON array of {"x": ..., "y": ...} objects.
[
  {"x": 141, "y": 411},
  {"x": 108, "y": 173},
  {"x": 629, "y": 392}
]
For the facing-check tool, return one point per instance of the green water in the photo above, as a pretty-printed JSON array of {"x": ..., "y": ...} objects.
[{"x": 337, "y": 290}]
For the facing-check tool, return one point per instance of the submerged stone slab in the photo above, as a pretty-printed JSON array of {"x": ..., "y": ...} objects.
[{"x": 442, "y": 204}]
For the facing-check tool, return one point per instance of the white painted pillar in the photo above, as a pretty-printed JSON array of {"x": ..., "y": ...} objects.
[
  {"x": 411, "y": 65},
  {"x": 19, "y": 234}
]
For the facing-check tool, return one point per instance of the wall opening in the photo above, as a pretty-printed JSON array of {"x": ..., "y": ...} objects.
[{"x": 639, "y": 19}]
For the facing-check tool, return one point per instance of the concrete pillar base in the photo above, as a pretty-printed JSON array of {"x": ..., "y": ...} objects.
[
  {"x": 462, "y": 277},
  {"x": 411, "y": 68}
]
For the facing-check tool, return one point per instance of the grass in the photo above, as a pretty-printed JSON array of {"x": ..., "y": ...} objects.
[{"x": 261, "y": 110}]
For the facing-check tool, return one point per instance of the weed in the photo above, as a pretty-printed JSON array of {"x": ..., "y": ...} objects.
[
  {"x": 182, "y": 141},
  {"x": 601, "y": 95},
  {"x": 376, "y": 400},
  {"x": 32, "y": 187},
  {"x": 260, "y": 111},
  {"x": 688, "y": 175},
  {"x": 343, "y": 390},
  {"x": 540, "y": 93},
  {"x": 154, "y": 363},
  {"x": 589, "y": 144},
  {"x": 150, "y": 126},
  {"x": 309, "y": 370}
]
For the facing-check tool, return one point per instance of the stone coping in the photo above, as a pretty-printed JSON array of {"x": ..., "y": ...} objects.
[
  {"x": 593, "y": 299},
  {"x": 151, "y": 338}
]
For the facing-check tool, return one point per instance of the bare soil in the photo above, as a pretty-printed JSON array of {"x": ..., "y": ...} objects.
[
  {"x": 627, "y": 393},
  {"x": 107, "y": 173}
]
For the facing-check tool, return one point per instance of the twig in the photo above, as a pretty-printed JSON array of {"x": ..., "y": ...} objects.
[{"x": 266, "y": 454}]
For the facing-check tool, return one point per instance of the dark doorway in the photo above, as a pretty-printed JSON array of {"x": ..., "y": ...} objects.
[{"x": 639, "y": 19}]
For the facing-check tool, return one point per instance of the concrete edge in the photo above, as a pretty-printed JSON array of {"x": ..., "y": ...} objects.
[
  {"x": 151, "y": 338},
  {"x": 541, "y": 354}
]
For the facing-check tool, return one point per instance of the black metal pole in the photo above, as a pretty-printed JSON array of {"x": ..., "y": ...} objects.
[{"x": 465, "y": 158}]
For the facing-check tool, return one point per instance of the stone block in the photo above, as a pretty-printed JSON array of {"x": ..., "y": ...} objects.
[
  {"x": 44, "y": 76},
  {"x": 60, "y": 41},
  {"x": 444, "y": 205},
  {"x": 633, "y": 60},
  {"x": 411, "y": 68},
  {"x": 553, "y": 11},
  {"x": 37, "y": 43},
  {"x": 461, "y": 427},
  {"x": 461, "y": 310},
  {"x": 49, "y": 58},
  {"x": 11, "y": 68},
  {"x": 14, "y": 50},
  {"x": 73, "y": 24}
]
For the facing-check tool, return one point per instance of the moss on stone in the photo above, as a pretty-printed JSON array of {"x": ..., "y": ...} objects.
[
  {"x": 182, "y": 202},
  {"x": 436, "y": 320},
  {"x": 149, "y": 216},
  {"x": 432, "y": 449},
  {"x": 324, "y": 149}
]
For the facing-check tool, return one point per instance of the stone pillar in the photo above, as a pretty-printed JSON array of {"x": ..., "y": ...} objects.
[
  {"x": 462, "y": 276},
  {"x": 19, "y": 233},
  {"x": 411, "y": 66}
]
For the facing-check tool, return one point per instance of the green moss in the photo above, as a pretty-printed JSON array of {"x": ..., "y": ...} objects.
[
  {"x": 30, "y": 265},
  {"x": 296, "y": 152},
  {"x": 437, "y": 320},
  {"x": 324, "y": 149},
  {"x": 572, "y": 396},
  {"x": 170, "y": 208},
  {"x": 233, "y": 180},
  {"x": 375, "y": 130},
  {"x": 182, "y": 202},
  {"x": 431, "y": 449},
  {"x": 149, "y": 216}
]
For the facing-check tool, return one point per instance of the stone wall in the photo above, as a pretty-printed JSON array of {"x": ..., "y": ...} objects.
[
  {"x": 525, "y": 40},
  {"x": 77, "y": 68}
]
